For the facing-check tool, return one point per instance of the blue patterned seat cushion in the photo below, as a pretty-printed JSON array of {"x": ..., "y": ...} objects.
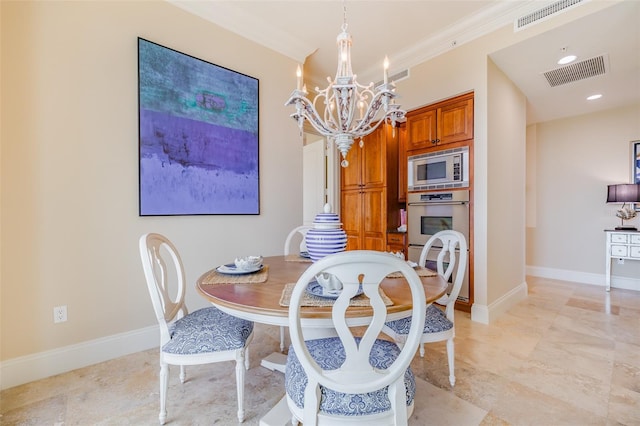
[
  {"x": 207, "y": 330},
  {"x": 329, "y": 354},
  {"x": 435, "y": 322}
]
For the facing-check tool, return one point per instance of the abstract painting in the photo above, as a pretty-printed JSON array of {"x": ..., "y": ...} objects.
[{"x": 198, "y": 136}]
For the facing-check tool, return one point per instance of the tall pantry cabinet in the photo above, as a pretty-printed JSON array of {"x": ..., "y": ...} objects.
[{"x": 369, "y": 190}]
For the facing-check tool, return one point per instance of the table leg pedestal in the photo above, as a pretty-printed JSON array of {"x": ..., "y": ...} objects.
[
  {"x": 275, "y": 362},
  {"x": 279, "y": 415}
]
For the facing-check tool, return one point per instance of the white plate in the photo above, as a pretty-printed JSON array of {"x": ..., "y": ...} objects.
[
  {"x": 314, "y": 288},
  {"x": 230, "y": 269}
]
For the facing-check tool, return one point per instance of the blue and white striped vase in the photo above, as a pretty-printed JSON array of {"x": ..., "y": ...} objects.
[{"x": 327, "y": 236}]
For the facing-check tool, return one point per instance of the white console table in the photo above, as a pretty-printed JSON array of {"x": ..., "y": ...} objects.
[{"x": 621, "y": 245}]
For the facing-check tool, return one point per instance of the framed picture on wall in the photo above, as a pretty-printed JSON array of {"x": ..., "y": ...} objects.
[
  {"x": 198, "y": 136},
  {"x": 635, "y": 166},
  {"x": 635, "y": 162}
]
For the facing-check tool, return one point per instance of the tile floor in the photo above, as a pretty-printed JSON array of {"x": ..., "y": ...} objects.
[{"x": 567, "y": 355}]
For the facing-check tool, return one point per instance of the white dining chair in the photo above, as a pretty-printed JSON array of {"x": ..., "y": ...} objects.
[
  {"x": 292, "y": 237},
  {"x": 299, "y": 232},
  {"x": 439, "y": 324},
  {"x": 355, "y": 377},
  {"x": 204, "y": 336}
]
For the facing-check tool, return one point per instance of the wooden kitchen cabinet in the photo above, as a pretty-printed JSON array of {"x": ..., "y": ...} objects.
[
  {"x": 402, "y": 163},
  {"x": 364, "y": 218},
  {"x": 367, "y": 165},
  {"x": 439, "y": 127},
  {"x": 369, "y": 191},
  {"x": 396, "y": 242},
  {"x": 439, "y": 124}
]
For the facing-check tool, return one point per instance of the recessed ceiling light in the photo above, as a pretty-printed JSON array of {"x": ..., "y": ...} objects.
[
  {"x": 567, "y": 59},
  {"x": 594, "y": 97}
]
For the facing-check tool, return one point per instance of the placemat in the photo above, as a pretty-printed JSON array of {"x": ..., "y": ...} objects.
[
  {"x": 313, "y": 300},
  {"x": 214, "y": 277},
  {"x": 296, "y": 258},
  {"x": 422, "y": 272}
]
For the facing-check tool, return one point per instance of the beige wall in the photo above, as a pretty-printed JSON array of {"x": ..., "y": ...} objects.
[
  {"x": 506, "y": 184},
  {"x": 576, "y": 158},
  {"x": 70, "y": 224}
]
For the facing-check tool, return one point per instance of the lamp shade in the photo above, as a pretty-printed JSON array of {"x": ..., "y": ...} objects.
[{"x": 623, "y": 193}]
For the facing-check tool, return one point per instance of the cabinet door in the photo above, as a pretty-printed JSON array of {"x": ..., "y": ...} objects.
[
  {"x": 351, "y": 217},
  {"x": 455, "y": 121},
  {"x": 364, "y": 218},
  {"x": 373, "y": 162},
  {"x": 374, "y": 215},
  {"x": 421, "y": 130},
  {"x": 350, "y": 176},
  {"x": 365, "y": 190},
  {"x": 402, "y": 164},
  {"x": 367, "y": 165}
]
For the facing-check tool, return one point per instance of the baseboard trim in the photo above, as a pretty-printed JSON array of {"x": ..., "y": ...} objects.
[
  {"x": 485, "y": 314},
  {"x": 18, "y": 371},
  {"x": 583, "y": 277}
]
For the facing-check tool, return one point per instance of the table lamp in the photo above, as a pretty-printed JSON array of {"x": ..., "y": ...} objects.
[{"x": 624, "y": 193}]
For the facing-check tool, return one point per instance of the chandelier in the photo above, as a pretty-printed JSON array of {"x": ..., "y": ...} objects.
[{"x": 349, "y": 110}]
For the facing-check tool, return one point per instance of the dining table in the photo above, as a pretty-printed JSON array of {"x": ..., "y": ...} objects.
[{"x": 262, "y": 296}]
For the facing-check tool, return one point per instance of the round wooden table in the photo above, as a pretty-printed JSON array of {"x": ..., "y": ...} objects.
[{"x": 260, "y": 302}]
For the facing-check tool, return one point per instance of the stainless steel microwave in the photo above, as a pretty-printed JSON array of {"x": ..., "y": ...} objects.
[{"x": 439, "y": 170}]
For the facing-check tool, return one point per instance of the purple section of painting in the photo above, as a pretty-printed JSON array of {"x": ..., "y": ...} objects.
[{"x": 195, "y": 167}]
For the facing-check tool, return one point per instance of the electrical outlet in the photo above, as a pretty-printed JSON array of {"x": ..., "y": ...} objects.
[{"x": 59, "y": 314}]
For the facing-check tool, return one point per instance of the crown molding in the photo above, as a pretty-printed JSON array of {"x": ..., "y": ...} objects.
[{"x": 248, "y": 26}]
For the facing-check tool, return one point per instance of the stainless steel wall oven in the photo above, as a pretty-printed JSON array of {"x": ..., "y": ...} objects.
[{"x": 430, "y": 212}]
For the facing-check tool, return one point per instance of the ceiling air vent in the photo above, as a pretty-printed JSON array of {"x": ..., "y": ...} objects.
[
  {"x": 544, "y": 13},
  {"x": 396, "y": 77},
  {"x": 588, "y": 68}
]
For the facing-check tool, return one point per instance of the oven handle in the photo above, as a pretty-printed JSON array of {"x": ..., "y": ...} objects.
[{"x": 441, "y": 203}]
